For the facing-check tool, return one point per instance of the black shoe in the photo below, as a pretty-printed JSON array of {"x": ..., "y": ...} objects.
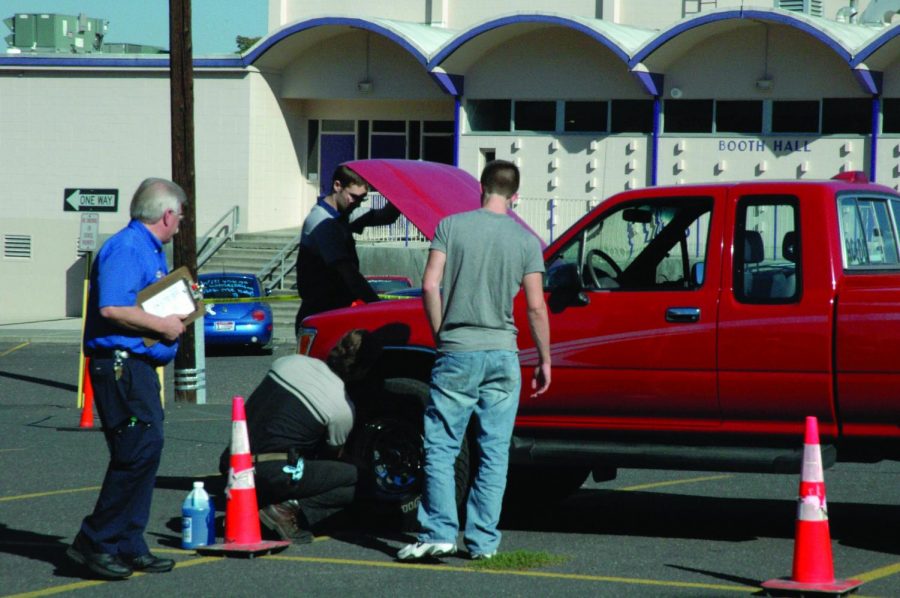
[
  {"x": 281, "y": 518},
  {"x": 150, "y": 563},
  {"x": 107, "y": 566}
]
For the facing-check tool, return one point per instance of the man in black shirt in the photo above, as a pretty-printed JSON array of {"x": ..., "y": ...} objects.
[{"x": 328, "y": 275}]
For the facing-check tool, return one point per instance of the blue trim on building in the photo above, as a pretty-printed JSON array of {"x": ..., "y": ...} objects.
[
  {"x": 871, "y": 82},
  {"x": 757, "y": 15},
  {"x": 873, "y": 153},
  {"x": 654, "y": 142},
  {"x": 518, "y": 19},
  {"x": 451, "y": 84},
  {"x": 457, "y": 128},
  {"x": 301, "y": 26},
  {"x": 651, "y": 82},
  {"x": 875, "y": 45}
]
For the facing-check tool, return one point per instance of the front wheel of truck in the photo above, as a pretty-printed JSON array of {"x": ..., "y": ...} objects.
[{"x": 388, "y": 447}]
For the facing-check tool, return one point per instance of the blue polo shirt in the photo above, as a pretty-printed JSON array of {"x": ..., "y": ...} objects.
[{"x": 128, "y": 262}]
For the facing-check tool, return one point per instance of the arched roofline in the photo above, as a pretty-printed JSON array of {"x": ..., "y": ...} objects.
[
  {"x": 876, "y": 44},
  {"x": 484, "y": 28},
  {"x": 777, "y": 16},
  {"x": 282, "y": 34}
]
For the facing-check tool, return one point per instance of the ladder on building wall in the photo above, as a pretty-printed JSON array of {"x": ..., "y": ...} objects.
[{"x": 693, "y": 7}]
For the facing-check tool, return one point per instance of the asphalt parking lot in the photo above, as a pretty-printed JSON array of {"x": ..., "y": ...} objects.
[{"x": 646, "y": 533}]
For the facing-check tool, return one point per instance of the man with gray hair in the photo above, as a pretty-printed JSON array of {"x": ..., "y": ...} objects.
[{"x": 126, "y": 387}]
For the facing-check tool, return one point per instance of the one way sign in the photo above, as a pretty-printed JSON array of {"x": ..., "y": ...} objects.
[{"x": 91, "y": 200}]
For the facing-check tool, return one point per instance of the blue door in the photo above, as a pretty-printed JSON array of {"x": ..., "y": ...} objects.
[{"x": 337, "y": 148}]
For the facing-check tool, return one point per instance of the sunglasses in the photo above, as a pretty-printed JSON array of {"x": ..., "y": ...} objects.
[{"x": 358, "y": 196}]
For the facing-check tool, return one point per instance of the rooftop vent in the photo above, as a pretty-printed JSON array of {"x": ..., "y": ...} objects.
[{"x": 812, "y": 8}]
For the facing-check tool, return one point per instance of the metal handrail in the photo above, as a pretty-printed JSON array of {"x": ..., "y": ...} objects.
[
  {"x": 277, "y": 268},
  {"x": 214, "y": 239}
]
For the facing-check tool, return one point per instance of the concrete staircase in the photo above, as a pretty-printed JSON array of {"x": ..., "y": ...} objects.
[{"x": 250, "y": 252}]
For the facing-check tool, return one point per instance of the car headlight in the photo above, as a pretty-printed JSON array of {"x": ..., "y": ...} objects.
[{"x": 305, "y": 338}]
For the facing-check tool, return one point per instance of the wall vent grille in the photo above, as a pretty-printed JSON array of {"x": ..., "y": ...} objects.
[{"x": 17, "y": 246}]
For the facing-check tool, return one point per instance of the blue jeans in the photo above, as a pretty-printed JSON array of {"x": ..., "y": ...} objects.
[{"x": 485, "y": 383}]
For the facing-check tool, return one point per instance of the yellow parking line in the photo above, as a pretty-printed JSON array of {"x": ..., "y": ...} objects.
[
  {"x": 674, "y": 483},
  {"x": 10, "y": 450},
  {"x": 878, "y": 573},
  {"x": 80, "y": 585},
  {"x": 16, "y": 348},
  {"x": 542, "y": 574},
  {"x": 50, "y": 493}
]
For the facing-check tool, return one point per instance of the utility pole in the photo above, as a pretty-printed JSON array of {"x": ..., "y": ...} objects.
[{"x": 181, "y": 79}]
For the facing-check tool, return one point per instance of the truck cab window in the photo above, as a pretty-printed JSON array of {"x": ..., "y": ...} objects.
[
  {"x": 868, "y": 237},
  {"x": 657, "y": 244},
  {"x": 767, "y": 250}
]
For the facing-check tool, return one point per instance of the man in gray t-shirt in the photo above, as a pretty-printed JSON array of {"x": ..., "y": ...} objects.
[{"x": 477, "y": 264}]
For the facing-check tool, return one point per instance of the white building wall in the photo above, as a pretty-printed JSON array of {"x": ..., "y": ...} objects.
[
  {"x": 109, "y": 130},
  {"x": 727, "y": 66},
  {"x": 70, "y": 130},
  {"x": 460, "y": 14},
  {"x": 221, "y": 152},
  {"x": 334, "y": 67},
  {"x": 275, "y": 145},
  {"x": 561, "y": 65}
]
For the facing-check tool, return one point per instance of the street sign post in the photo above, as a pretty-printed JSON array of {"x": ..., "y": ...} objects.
[{"x": 90, "y": 200}]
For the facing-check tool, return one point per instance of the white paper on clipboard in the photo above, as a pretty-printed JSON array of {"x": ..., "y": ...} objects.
[{"x": 174, "y": 299}]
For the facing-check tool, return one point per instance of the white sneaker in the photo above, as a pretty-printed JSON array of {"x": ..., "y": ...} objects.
[
  {"x": 419, "y": 550},
  {"x": 484, "y": 557}
]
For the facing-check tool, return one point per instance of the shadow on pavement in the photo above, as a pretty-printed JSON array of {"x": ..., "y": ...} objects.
[{"x": 649, "y": 514}]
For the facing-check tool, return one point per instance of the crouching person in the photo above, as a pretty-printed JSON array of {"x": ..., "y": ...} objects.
[{"x": 298, "y": 419}]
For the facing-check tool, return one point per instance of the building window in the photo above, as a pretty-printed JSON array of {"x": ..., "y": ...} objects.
[
  {"x": 312, "y": 150},
  {"x": 846, "y": 115},
  {"x": 362, "y": 140},
  {"x": 437, "y": 141},
  {"x": 413, "y": 134},
  {"x": 489, "y": 115},
  {"x": 795, "y": 116},
  {"x": 535, "y": 116},
  {"x": 631, "y": 116},
  {"x": 744, "y": 116},
  {"x": 584, "y": 117},
  {"x": 890, "y": 109},
  {"x": 389, "y": 126},
  {"x": 688, "y": 116}
]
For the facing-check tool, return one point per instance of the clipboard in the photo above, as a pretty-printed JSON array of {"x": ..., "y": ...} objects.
[{"x": 172, "y": 294}]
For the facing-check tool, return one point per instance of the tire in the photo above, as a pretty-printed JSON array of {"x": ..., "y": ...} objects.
[
  {"x": 527, "y": 484},
  {"x": 388, "y": 448}
]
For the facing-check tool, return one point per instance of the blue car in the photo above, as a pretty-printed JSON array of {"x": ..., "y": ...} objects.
[{"x": 235, "y": 323}]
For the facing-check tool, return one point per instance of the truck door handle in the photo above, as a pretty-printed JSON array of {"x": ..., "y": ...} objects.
[{"x": 683, "y": 314}]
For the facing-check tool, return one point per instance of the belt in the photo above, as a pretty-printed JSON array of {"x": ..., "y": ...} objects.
[
  {"x": 263, "y": 457},
  {"x": 118, "y": 354}
]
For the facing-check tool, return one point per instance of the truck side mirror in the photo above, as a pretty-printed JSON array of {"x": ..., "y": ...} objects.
[{"x": 565, "y": 287}]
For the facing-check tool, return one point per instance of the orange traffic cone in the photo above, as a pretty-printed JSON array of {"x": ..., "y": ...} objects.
[
  {"x": 242, "y": 532},
  {"x": 87, "y": 411},
  {"x": 813, "y": 571}
]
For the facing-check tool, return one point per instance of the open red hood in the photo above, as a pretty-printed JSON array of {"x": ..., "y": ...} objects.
[{"x": 425, "y": 192}]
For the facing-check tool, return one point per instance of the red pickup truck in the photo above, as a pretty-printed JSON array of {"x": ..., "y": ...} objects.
[{"x": 693, "y": 327}]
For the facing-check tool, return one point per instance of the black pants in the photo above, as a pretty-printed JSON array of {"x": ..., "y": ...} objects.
[
  {"x": 120, "y": 516},
  {"x": 324, "y": 490}
]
